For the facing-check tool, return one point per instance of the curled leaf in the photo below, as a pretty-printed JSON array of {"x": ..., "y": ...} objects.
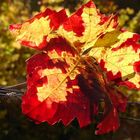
[{"x": 110, "y": 123}]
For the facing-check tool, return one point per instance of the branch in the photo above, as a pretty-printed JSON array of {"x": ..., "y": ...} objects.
[
  {"x": 17, "y": 86},
  {"x": 14, "y": 90}
]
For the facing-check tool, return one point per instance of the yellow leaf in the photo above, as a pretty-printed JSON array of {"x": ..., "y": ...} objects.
[{"x": 119, "y": 51}]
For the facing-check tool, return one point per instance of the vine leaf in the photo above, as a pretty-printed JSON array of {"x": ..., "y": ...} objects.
[
  {"x": 36, "y": 32},
  {"x": 84, "y": 27},
  {"x": 61, "y": 87},
  {"x": 53, "y": 86},
  {"x": 118, "y": 54},
  {"x": 84, "y": 57}
]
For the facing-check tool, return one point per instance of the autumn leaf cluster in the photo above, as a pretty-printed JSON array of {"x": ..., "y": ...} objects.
[{"x": 83, "y": 59}]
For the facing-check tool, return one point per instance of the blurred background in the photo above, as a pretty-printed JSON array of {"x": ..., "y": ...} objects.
[{"x": 13, "y": 125}]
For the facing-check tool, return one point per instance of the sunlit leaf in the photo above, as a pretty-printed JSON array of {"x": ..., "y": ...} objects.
[
  {"x": 84, "y": 58},
  {"x": 83, "y": 28},
  {"x": 53, "y": 93},
  {"x": 35, "y": 32},
  {"x": 118, "y": 53},
  {"x": 62, "y": 86}
]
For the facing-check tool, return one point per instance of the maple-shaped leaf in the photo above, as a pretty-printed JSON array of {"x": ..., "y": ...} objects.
[
  {"x": 84, "y": 27},
  {"x": 62, "y": 86},
  {"x": 53, "y": 92},
  {"x": 65, "y": 81},
  {"x": 118, "y": 54},
  {"x": 36, "y": 32}
]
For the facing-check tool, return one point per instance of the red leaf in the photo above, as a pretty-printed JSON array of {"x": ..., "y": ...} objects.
[
  {"x": 65, "y": 81},
  {"x": 137, "y": 67},
  {"x": 109, "y": 123},
  {"x": 35, "y": 33},
  {"x": 85, "y": 26},
  {"x": 60, "y": 89},
  {"x": 118, "y": 54},
  {"x": 118, "y": 100},
  {"x": 44, "y": 76}
]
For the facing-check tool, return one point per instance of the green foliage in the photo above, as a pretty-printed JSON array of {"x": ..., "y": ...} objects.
[
  {"x": 135, "y": 23},
  {"x": 130, "y": 19},
  {"x": 12, "y": 56}
]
